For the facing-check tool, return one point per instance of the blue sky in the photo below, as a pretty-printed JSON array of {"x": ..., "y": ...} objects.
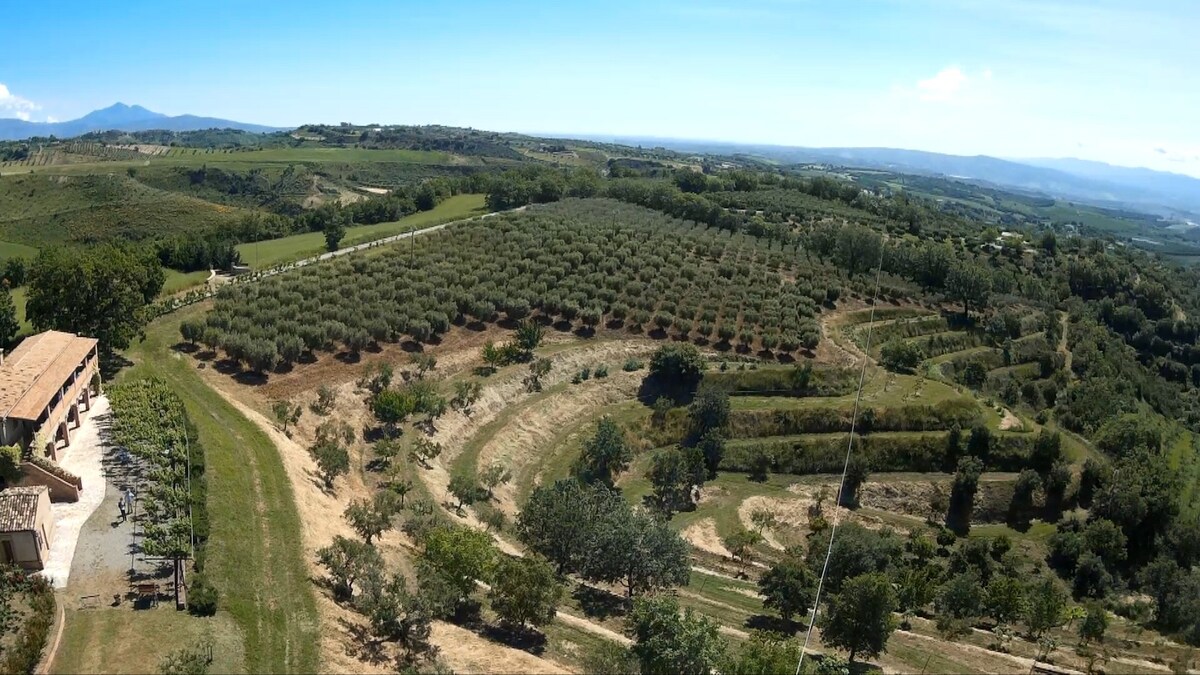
[{"x": 1097, "y": 79}]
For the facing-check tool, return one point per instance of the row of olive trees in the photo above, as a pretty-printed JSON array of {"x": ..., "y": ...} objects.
[{"x": 575, "y": 262}]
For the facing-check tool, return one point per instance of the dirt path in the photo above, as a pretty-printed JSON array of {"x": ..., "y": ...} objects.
[
  {"x": 846, "y": 353},
  {"x": 502, "y": 394},
  {"x": 321, "y": 512},
  {"x": 596, "y": 629}
]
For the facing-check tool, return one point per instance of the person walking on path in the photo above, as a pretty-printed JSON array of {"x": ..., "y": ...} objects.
[{"x": 121, "y": 506}]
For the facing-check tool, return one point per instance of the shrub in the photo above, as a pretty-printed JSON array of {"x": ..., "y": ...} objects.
[
  {"x": 10, "y": 464},
  {"x": 632, "y": 365},
  {"x": 24, "y": 655},
  {"x": 201, "y": 597},
  {"x": 901, "y": 356}
]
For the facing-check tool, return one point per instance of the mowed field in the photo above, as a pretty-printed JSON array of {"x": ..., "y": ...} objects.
[{"x": 287, "y": 249}]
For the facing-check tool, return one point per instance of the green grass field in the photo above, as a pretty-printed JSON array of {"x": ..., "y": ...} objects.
[
  {"x": 177, "y": 281},
  {"x": 19, "y": 299},
  {"x": 40, "y": 210},
  {"x": 254, "y": 554},
  {"x": 244, "y": 159},
  {"x": 287, "y": 249},
  {"x": 9, "y": 249}
]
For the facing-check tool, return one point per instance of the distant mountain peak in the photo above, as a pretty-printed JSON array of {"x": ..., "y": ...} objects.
[{"x": 119, "y": 117}]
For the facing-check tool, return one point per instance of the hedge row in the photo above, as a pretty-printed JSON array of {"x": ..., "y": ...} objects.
[
  {"x": 920, "y": 453},
  {"x": 825, "y": 419},
  {"x": 798, "y": 381}
]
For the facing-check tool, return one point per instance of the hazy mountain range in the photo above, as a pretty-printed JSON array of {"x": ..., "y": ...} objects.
[
  {"x": 119, "y": 117},
  {"x": 1071, "y": 179}
]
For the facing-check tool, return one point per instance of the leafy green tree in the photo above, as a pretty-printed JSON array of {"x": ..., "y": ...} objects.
[
  {"x": 493, "y": 477},
  {"x": 1094, "y": 624},
  {"x": 391, "y": 408},
  {"x": 900, "y": 356},
  {"x": 741, "y": 543},
  {"x": 386, "y": 450},
  {"x": 960, "y": 598},
  {"x": 101, "y": 291},
  {"x": 286, "y": 413},
  {"x": 332, "y": 460},
  {"x": 467, "y": 490},
  {"x": 395, "y": 615},
  {"x": 857, "y": 472},
  {"x": 789, "y": 587},
  {"x": 1004, "y": 599},
  {"x": 636, "y": 549},
  {"x": 527, "y": 338},
  {"x": 916, "y": 587},
  {"x": 677, "y": 366},
  {"x": 335, "y": 230},
  {"x": 526, "y": 591},
  {"x": 326, "y": 400},
  {"x": 709, "y": 412},
  {"x": 559, "y": 519},
  {"x": 856, "y": 551},
  {"x": 537, "y": 370},
  {"x": 458, "y": 556},
  {"x": 9, "y": 325},
  {"x": 605, "y": 454},
  {"x": 765, "y": 652},
  {"x": 346, "y": 561},
  {"x": 371, "y": 517},
  {"x": 673, "y": 473},
  {"x": 424, "y": 450},
  {"x": 493, "y": 356},
  {"x": 962, "y": 494},
  {"x": 970, "y": 284},
  {"x": 466, "y": 394},
  {"x": 667, "y": 641},
  {"x": 1045, "y": 605},
  {"x": 1128, "y": 434},
  {"x": 1020, "y": 508},
  {"x": 860, "y": 616}
]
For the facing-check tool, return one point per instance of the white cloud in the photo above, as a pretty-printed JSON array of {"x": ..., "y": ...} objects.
[
  {"x": 943, "y": 86},
  {"x": 51, "y": 119},
  {"x": 14, "y": 105}
]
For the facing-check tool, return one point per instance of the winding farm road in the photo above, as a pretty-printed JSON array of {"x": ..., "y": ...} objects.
[{"x": 376, "y": 242}]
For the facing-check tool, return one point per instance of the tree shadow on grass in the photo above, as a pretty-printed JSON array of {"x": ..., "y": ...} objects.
[
  {"x": 361, "y": 645},
  {"x": 250, "y": 378},
  {"x": 561, "y": 326},
  {"x": 186, "y": 347},
  {"x": 598, "y": 603},
  {"x": 774, "y": 624},
  {"x": 525, "y": 639}
]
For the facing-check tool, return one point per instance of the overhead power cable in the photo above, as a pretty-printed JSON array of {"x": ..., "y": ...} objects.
[{"x": 862, "y": 378}]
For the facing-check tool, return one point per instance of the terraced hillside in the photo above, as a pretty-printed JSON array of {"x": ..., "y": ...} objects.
[{"x": 479, "y": 430}]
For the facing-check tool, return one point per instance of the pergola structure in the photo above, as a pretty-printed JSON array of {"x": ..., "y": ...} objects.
[{"x": 43, "y": 384}]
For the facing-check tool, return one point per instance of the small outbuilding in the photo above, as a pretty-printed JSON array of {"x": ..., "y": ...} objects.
[{"x": 25, "y": 526}]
